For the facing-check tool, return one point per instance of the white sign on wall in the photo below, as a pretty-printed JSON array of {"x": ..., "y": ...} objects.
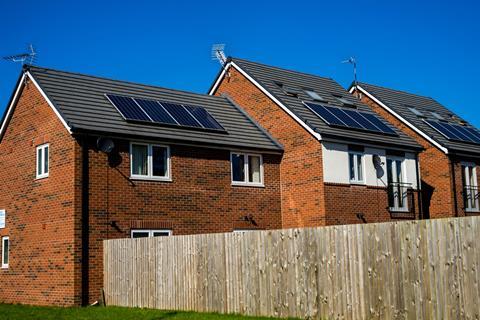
[{"x": 2, "y": 218}]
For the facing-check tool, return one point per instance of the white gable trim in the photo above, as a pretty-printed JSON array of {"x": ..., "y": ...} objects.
[
  {"x": 268, "y": 94},
  {"x": 11, "y": 107},
  {"x": 410, "y": 125}
]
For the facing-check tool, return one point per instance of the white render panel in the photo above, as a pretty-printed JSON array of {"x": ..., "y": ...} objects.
[{"x": 336, "y": 166}]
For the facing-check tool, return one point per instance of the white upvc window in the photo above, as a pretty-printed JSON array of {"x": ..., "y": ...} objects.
[
  {"x": 397, "y": 186},
  {"x": 246, "y": 169},
  {"x": 150, "y": 161},
  {"x": 355, "y": 163},
  {"x": 43, "y": 159},
  {"x": 470, "y": 187},
  {"x": 148, "y": 233},
  {"x": 5, "y": 251}
]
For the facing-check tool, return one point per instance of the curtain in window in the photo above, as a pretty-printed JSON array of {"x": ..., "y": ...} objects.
[
  {"x": 254, "y": 169},
  {"x": 139, "y": 160}
]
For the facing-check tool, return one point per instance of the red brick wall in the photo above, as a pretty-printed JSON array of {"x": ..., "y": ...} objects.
[
  {"x": 301, "y": 167},
  {"x": 435, "y": 171},
  {"x": 41, "y": 214},
  {"x": 200, "y": 199}
]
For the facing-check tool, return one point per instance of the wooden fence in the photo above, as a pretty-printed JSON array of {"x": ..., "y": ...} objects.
[{"x": 404, "y": 270}]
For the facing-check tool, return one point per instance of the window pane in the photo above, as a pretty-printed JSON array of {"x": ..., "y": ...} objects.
[
  {"x": 398, "y": 164},
  {"x": 254, "y": 169},
  {"x": 161, "y": 233},
  {"x": 140, "y": 234},
  {"x": 139, "y": 160},
  {"x": 159, "y": 158},
  {"x": 359, "y": 167},
  {"x": 39, "y": 161},
  {"x": 389, "y": 171},
  {"x": 238, "y": 167},
  {"x": 351, "y": 159},
  {"x": 45, "y": 156},
  {"x": 5, "y": 251}
]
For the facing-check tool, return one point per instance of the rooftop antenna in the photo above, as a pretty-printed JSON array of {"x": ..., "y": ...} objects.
[
  {"x": 22, "y": 57},
  {"x": 218, "y": 53},
  {"x": 352, "y": 61}
]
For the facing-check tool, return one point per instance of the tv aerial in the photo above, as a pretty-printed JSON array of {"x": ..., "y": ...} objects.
[
  {"x": 29, "y": 56},
  {"x": 218, "y": 53},
  {"x": 353, "y": 62}
]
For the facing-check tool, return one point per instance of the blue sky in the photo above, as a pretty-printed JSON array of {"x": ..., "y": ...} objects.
[{"x": 426, "y": 47}]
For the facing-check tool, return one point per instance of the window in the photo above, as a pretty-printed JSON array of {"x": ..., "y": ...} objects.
[
  {"x": 141, "y": 233},
  {"x": 5, "y": 251},
  {"x": 397, "y": 188},
  {"x": 343, "y": 101},
  {"x": 355, "y": 160},
  {"x": 470, "y": 192},
  {"x": 150, "y": 161},
  {"x": 42, "y": 161},
  {"x": 288, "y": 90},
  {"x": 416, "y": 111},
  {"x": 247, "y": 169},
  {"x": 315, "y": 96},
  {"x": 437, "y": 116}
]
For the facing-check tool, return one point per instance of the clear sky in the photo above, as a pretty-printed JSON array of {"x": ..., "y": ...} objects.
[{"x": 426, "y": 47}]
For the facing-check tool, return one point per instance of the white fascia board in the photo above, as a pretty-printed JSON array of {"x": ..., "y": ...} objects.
[
  {"x": 3, "y": 127},
  {"x": 49, "y": 102},
  {"x": 268, "y": 94},
  {"x": 410, "y": 125}
]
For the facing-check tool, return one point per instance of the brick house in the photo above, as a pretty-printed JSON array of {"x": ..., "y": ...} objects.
[
  {"x": 341, "y": 162},
  {"x": 84, "y": 159},
  {"x": 451, "y": 152}
]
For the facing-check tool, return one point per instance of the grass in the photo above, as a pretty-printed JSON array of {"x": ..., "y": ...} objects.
[{"x": 23, "y": 312}]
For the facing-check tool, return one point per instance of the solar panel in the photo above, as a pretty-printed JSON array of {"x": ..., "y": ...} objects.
[
  {"x": 348, "y": 118},
  {"x": 205, "y": 119},
  {"x": 181, "y": 114},
  {"x": 455, "y": 132},
  {"x": 128, "y": 108},
  {"x": 146, "y": 110},
  {"x": 156, "y": 112}
]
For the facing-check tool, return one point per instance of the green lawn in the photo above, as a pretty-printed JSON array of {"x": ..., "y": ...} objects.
[{"x": 8, "y": 311}]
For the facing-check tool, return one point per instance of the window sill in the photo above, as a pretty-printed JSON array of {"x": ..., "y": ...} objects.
[
  {"x": 358, "y": 183},
  {"x": 153, "y": 179},
  {"x": 399, "y": 210},
  {"x": 4, "y": 267},
  {"x": 41, "y": 177},
  {"x": 246, "y": 184},
  {"x": 472, "y": 210}
]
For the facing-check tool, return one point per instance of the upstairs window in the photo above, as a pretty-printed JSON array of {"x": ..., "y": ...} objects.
[
  {"x": 143, "y": 233},
  {"x": 470, "y": 187},
  {"x": 43, "y": 158},
  {"x": 150, "y": 161},
  {"x": 355, "y": 160},
  {"x": 5, "y": 251},
  {"x": 247, "y": 169}
]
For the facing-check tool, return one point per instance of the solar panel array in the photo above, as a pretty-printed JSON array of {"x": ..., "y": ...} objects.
[
  {"x": 351, "y": 119},
  {"x": 158, "y": 112},
  {"x": 456, "y": 132}
]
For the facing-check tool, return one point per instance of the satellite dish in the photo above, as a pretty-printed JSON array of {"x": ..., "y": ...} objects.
[
  {"x": 105, "y": 144},
  {"x": 377, "y": 161}
]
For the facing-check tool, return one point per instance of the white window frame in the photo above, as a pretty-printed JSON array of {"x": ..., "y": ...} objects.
[
  {"x": 42, "y": 148},
  {"x": 472, "y": 168},
  {"x": 403, "y": 166},
  {"x": 149, "y": 175},
  {"x": 245, "y": 182},
  {"x": 5, "y": 265},
  {"x": 355, "y": 179},
  {"x": 150, "y": 232}
]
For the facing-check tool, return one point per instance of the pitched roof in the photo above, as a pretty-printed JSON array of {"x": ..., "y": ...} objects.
[
  {"x": 267, "y": 76},
  {"x": 400, "y": 102},
  {"x": 80, "y": 100}
]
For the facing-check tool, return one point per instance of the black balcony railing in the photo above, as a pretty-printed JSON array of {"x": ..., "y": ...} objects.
[{"x": 471, "y": 196}]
